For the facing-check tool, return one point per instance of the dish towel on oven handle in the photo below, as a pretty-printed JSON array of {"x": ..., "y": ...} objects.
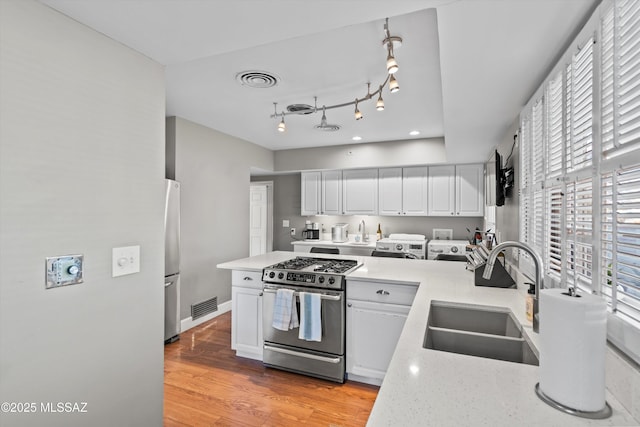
[
  {"x": 310, "y": 317},
  {"x": 285, "y": 313}
]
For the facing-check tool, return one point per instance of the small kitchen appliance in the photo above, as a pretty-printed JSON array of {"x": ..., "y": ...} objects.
[
  {"x": 413, "y": 245},
  {"x": 340, "y": 233},
  {"x": 447, "y": 247},
  {"x": 284, "y": 349}
]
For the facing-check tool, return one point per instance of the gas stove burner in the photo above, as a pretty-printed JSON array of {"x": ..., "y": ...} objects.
[{"x": 312, "y": 272}]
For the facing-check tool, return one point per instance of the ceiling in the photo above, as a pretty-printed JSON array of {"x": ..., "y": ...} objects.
[{"x": 466, "y": 67}]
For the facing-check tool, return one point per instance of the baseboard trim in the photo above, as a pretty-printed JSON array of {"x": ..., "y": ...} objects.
[{"x": 188, "y": 323}]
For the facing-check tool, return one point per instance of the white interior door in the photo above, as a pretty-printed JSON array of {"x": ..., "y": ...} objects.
[{"x": 258, "y": 219}]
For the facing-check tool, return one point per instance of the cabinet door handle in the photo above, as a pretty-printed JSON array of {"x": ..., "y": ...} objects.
[
  {"x": 382, "y": 292},
  {"x": 399, "y": 213},
  {"x": 247, "y": 278},
  {"x": 349, "y": 305},
  {"x": 260, "y": 294}
]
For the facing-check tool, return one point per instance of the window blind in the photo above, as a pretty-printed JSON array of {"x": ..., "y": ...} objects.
[
  {"x": 553, "y": 225},
  {"x": 620, "y": 241},
  {"x": 555, "y": 138},
  {"x": 562, "y": 176},
  {"x": 579, "y": 233},
  {"x": 537, "y": 142},
  {"x": 620, "y": 64},
  {"x": 580, "y": 98}
]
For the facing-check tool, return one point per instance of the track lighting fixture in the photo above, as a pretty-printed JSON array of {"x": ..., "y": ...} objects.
[{"x": 390, "y": 43}]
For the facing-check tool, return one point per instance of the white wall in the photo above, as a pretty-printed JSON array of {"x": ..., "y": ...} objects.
[
  {"x": 81, "y": 171},
  {"x": 213, "y": 168},
  {"x": 375, "y": 155}
]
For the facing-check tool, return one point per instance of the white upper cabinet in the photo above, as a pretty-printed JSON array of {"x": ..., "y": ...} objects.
[
  {"x": 448, "y": 190},
  {"x": 442, "y": 190},
  {"x": 331, "y": 193},
  {"x": 469, "y": 190},
  {"x": 403, "y": 191},
  {"x": 310, "y": 193},
  {"x": 415, "y": 190},
  {"x": 390, "y": 191},
  {"x": 360, "y": 192},
  {"x": 456, "y": 190}
]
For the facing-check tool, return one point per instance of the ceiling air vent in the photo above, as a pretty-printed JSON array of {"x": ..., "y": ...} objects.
[
  {"x": 257, "y": 79},
  {"x": 300, "y": 109},
  {"x": 327, "y": 127}
]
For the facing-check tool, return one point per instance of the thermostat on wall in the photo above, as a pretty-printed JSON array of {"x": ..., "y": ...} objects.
[{"x": 64, "y": 270}]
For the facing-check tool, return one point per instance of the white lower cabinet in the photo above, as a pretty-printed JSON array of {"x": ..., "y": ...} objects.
[
  {"x": 376, "y": 313},
  {"x": 246, "y": 314}
]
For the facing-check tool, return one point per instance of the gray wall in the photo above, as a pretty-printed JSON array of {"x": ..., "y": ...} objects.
[
  {"x": 376, "y": 154},
  {"x": 214, "y": 171},
  {"x": 286, "y": 194},
  {"x": 81, "y": 172}
]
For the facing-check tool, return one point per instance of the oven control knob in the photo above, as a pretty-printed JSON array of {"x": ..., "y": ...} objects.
[
  {"x": 321, "y": 279},
  {"x": 332, "y": 280},
  {"x": 454, "y": 249},
  {"x": 280, "y": 275},
  {"x": 272, "y": 275},
  {"x": 398, "y": 247}
]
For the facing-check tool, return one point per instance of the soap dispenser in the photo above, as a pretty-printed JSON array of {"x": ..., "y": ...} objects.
[{"x": 531, "y": 292}]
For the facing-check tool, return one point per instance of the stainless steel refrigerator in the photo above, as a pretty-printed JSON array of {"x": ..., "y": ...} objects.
[{"x": 172, "y": 261}]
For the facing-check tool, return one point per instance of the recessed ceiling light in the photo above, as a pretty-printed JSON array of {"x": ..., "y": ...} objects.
[
  {"x": 357, "y": 138},
  {"x": 414, "y": 132}
]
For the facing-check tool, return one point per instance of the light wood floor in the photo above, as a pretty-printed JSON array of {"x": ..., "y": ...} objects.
[{"x": 205, "y": 384}]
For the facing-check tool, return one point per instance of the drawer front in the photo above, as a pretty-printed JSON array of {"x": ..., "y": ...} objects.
[
  {"x": 247, "y": 279},
  {"x": 391, "y": 293}
]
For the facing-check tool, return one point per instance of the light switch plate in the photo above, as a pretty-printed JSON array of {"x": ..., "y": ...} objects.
[
  {"x": 64, "y": 270},
  {"x": 125, "y": 260},
  {"x": 285, "y": 223}
]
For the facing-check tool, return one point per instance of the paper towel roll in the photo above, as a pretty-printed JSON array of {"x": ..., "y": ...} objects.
[{"x": 573, "y": 337}]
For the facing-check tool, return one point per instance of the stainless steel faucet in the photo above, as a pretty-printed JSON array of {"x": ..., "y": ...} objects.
[
  {"x": 363, "y": 233},
  {"x": 537, "y": 260}
]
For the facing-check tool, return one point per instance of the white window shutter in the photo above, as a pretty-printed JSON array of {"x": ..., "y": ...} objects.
[{"x": 580, "y": 92}]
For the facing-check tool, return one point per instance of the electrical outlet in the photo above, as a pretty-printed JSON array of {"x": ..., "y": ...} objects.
[{"x": 293, "y": 231}]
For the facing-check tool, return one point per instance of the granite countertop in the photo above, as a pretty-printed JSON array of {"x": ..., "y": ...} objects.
[{"x": 429, "y": 387}]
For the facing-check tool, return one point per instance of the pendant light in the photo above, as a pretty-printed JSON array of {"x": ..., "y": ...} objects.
[
  {"x": 393, "y": 84},
  {"x": 380, "y": 102},
  {"x": 392, "y": 65},
  {"x": 358, "y": 113},
  {"x": 281, "y": 126}
]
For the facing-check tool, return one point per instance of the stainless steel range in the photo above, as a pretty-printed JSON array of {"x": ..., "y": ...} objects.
[{"x": 284, "y": 349}]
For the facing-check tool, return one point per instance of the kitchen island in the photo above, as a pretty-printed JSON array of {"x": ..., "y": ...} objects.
[{"x": 429, "y": 387}]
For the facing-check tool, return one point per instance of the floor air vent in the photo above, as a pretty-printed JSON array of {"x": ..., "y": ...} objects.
[{"x": 203, "y": 308}]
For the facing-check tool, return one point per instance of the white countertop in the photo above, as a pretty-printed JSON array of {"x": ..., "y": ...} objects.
[
  {"x": 429, "y": 387},
  {"x": 351, "y": 243}
]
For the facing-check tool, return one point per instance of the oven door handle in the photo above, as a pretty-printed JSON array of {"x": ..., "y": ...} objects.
[
  {"x": 297, "y": 294},
  {"x": 300, "y": 354}
]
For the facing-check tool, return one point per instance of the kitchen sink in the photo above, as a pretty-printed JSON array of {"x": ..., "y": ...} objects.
[{"x": 477, "y": 330}]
